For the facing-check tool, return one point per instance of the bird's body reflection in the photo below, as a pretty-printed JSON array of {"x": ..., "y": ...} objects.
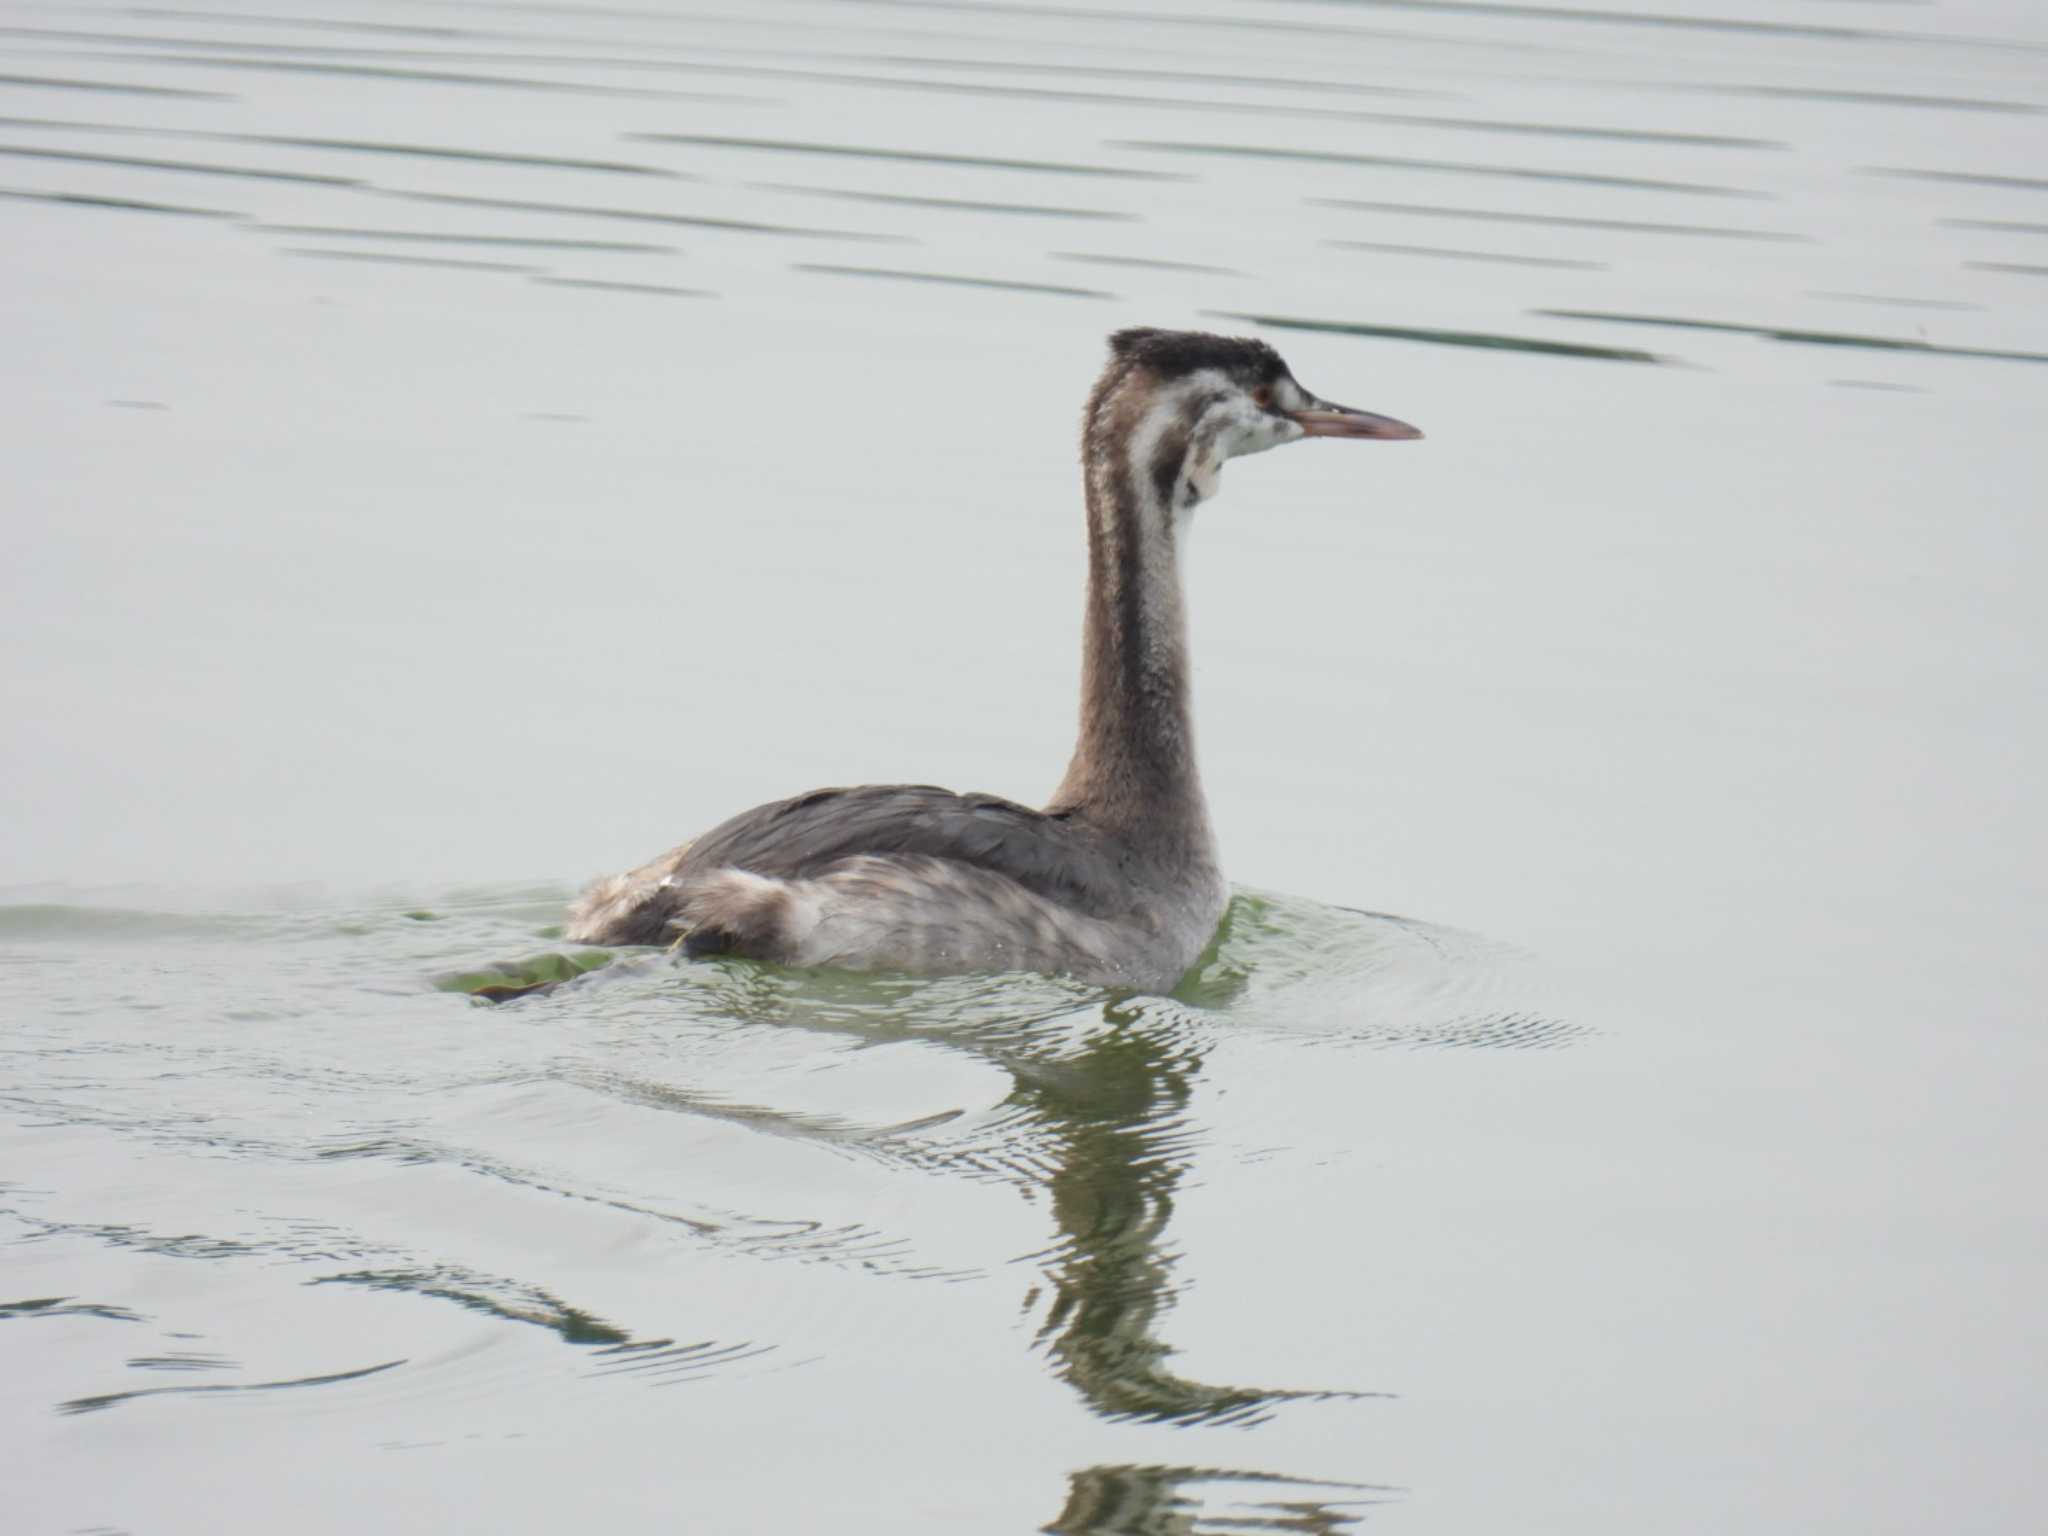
[
  {"x": 1141, "y": 1500},
  {"x": 1098, "y": 1127},
  {"x": 1097, "y": 1122},
  {"x": 1116, "y": 1116}
]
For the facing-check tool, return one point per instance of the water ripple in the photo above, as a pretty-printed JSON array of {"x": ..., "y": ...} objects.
[
  {"x": 666, "y": 1362},
  {"x": 1801, "y": 336},
  {"x": 648, "y": 216},
  {"x": 1554, "y": 220},
  {"x": 110, "y": 87},
  {"x": 189, "y": 167},
  {"x": 954, "y": 279},
  {"x": 64, "y": 1306},
  {"x": 1448, "y": 338},
  {"x": 909, "y": 156},
  {"x": 953, "y": 204},
  {"x": 1449, "y": 167},
  {"x": 115, "y": 204},
  {"x": 110, "y": 1399}
]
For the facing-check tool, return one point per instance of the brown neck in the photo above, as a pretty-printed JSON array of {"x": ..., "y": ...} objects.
[{"x": 1133, "y": 768}]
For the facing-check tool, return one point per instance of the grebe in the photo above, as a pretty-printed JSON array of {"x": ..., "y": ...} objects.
[{"x": 1116, "y": 881}]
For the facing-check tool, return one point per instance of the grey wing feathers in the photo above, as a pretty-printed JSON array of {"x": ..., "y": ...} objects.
[{"x": 801, "y": 836}]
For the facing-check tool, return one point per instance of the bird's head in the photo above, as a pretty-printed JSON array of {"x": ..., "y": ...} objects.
[{"x": 1175, "y": 405}]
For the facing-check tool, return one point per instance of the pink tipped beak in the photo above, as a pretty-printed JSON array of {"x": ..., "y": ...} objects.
[{"x": 1328, "y": 420}]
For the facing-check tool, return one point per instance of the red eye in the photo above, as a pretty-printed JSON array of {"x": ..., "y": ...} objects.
[{"x": 1262, "y": 397}]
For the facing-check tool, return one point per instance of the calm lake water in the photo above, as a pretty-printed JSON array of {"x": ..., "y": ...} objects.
[{"x": 455, "y": 449}]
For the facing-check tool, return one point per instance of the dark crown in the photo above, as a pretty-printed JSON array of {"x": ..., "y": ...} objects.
[{"x": 1171, "y": 353}]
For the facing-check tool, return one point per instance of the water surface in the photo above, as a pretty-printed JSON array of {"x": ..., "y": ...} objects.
[{"x": 458, "y": 448}]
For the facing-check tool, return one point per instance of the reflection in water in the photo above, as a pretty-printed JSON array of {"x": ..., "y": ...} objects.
[
  {"x": 64, "y": 1306},
  {"x": 506, "y": 1300},
  {"x": 1098, "y": 1119},
  {"x": 1169, "y": 1501},
  {"x": 669, "y": 1181},
  {"x": 182, "y": 1360},
  {"x": 666, "y": 1362},
  {"x": 1118, "y": 1140}
]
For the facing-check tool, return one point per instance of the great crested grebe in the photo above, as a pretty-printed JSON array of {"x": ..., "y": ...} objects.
[{"x": 1116, "y": 881}]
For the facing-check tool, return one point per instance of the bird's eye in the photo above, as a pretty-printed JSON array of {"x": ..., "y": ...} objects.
[{"x": 1262, "y": 397}]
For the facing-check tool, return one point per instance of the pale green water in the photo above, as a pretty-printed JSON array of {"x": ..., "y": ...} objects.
[
  {"x": 456, "y": 449},
  {"x": 361, "y": 1167}
]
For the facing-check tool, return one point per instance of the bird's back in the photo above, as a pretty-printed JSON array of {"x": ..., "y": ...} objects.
[{"x": 913, "y": 877}]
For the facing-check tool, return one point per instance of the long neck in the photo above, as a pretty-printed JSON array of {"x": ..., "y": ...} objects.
[{"x": 1133, "y": 768}]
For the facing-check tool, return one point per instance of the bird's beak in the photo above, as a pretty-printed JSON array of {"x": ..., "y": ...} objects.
[{"x": 1327, "y": 420}]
